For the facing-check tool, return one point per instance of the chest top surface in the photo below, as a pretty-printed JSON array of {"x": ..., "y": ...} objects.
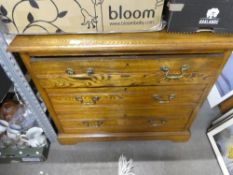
[{"x": 102, "y": 44}]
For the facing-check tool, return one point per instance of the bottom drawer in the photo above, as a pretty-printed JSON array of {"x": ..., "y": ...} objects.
[{"x": 145, "y": 124}]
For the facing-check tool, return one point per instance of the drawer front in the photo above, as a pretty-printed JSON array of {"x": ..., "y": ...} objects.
[
  {"x": 127, "y": 96},
  {"x": 137, "y": 124},
  {"x": 125, "y": 71},
  {"x": 113, "y": 112}
]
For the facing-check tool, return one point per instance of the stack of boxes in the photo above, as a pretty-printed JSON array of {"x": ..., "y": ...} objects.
[{"x": 110, "y": 16}]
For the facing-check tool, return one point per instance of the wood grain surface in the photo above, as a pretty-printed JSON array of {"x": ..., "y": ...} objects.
[
  {"x": 115, "y": 44},
  {"x": 131, "y": 71},
  {"x": 64, "y": 112},
  {"x": 143, "y": 95}
]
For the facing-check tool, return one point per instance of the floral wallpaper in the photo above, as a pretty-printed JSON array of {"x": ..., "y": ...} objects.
[{"x": 72, "y": 16}]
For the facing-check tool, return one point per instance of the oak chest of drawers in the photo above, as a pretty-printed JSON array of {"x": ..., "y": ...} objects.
[{"x": 123, "y": 86}]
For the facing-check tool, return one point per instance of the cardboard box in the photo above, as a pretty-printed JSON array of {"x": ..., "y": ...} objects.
[
  {"x": 81, "y": 16},
  {"x": 199, "y": 15}
]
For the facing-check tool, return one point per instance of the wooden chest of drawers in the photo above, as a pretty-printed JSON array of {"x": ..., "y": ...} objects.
[{"x": 123, "y": 86}]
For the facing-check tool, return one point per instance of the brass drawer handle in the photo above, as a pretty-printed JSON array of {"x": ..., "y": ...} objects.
[
  {"x": 168, "y": 100},
  {"x": 71, "y": 73},
  {"x": 167, "y": 75},
  {"x": 87, "y": 100},
  {"x": 157, "y": 123},
  {"x": 93, "y": 124}
]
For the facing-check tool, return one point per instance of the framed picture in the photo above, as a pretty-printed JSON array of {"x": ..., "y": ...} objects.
[
  {"x": 223, "y": 88},
  {"x": 221, "y": 139},
  {"x": 222, "y": 118}
]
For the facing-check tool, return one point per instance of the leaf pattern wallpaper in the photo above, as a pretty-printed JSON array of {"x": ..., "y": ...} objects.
[{"x": 56, "y": 16}]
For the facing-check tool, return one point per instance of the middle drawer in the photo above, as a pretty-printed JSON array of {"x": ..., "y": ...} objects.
[{"x": 68, "y": 100}]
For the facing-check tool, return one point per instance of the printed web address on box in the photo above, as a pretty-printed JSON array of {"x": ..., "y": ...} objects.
[{"x": 131, "y": 23}]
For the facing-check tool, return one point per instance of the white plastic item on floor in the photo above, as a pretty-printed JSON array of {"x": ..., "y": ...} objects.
[{"x": 125, "y": 167}]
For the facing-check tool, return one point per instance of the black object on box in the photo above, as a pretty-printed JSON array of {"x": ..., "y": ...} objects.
[
  {"x": 200, "y": 15},
  {"x": 8, "y": 155}
]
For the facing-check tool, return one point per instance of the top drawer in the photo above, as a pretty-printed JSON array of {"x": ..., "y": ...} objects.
[{"x": 125, "y": 71}]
